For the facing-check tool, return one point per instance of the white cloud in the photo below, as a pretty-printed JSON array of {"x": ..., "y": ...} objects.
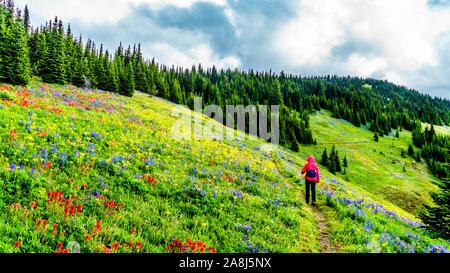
[
  {"x": 363, "y": 66},
  {"x": 200, "y": 53},
  {"x": 404, "y": 31},
  {"x": 310, "y": 38},
  {"x": 99, "y": 10}
]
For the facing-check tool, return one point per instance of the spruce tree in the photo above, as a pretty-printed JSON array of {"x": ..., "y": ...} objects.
[
  {"x": 325, "y": 161},
  {"x": 410, "y": 150},
  {"x": 337, "y": 162},
  {"x": 78, "y": 78},
  {"x": 140, "y": 76},
  {"x": 54, "y": 60},
  {"x": 332, "y": 160},
  {"x": 436, "y": 216},
  {"x": 14, "y": 58},
  {"x": 126, "y": 80},
  {"x": 357, "y": 121},
  {"x": 26, "y": 19}
]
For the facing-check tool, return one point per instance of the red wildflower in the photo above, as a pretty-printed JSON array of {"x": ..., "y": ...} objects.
[
  {"x": 44, "y": 227},
  {"x": 54, "y": 229},
  {"x": 132, "y": 231},
  {"x": 138, "y": 246},
  {"x": 115, "y": 246},
  {"x": 38, "y": 224},
  {"x": 79, "y": 207},
  {"x": 16, "y": 244}
]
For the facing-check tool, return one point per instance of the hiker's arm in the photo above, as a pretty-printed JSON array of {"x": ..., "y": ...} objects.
[
  {"x": 318, "y": 175},
  {"x": 304, "y": 169}
]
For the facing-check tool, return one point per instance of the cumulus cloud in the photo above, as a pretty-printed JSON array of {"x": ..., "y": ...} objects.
[
  {"x": 403, "y": 41},
  {"x": 391, "y": 39}
]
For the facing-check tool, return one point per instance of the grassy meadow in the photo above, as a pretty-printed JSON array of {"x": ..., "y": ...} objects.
[{"x": 103, "y": 171}]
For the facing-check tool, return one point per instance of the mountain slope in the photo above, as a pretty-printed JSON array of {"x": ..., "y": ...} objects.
[
  {"x": 375, "y": 166},
  {"x": 104, "y": 171}
]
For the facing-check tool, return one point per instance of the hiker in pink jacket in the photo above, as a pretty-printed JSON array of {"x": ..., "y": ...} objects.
[{"x": 312, "y": 177}]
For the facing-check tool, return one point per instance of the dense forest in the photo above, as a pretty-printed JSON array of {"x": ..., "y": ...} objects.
[{"x": 56, "y": 55}]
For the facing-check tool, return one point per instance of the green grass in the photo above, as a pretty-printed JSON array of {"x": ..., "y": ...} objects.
[
  {"x": 96, "y": 147},
  {"x": 376, "y": 167}
]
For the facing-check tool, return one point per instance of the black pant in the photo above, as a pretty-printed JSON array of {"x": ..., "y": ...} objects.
[{"x": 310, "y": 186}]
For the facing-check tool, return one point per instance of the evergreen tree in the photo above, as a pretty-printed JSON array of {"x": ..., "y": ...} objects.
[
  {"x": 337, "y": 162},
  {"x": 436, "y": 216},
  {"x": 37, "y": 49},
  {"x": 126, "y": 80},
  {"x": 275, "y": 95},
  {"x": 26, "y": 19},
  {"x": 14, "y": 59},
  {"x": 410, "y": 150},
  {"x": 325, "y": 161},
  {"x": 332, "y": 160},
  {"x": 417, "y": 157},
  {"x": 357, "y": 121},
  {"x": 54, "y": 60}
]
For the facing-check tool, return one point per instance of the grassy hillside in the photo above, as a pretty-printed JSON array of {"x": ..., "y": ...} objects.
[
  {"x": 375, "y": 166},
  {"x": 92, "y": 167}
]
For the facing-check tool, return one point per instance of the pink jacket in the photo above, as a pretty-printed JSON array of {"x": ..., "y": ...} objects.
[{"x": 311, "y": 165}]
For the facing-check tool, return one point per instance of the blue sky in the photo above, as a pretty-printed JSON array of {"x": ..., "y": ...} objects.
[{"x": 404, "y": 41}]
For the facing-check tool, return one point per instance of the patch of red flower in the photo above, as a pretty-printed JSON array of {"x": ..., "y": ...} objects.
[
  {"x": 150, "y": 179},
  {"x": 115, "y": 246},
  {"x": 69, "y": 207},
  {"x": 138, "y": 246},
  {"x": 226, "y": 177},
  {"x": 38, "y": 224},
  {"x": 42, "y": 133},
  {"x": 54, "y": 229},
  {"x": 47, "y": 165},
  {"x": 56, "y": 110},
  {"x": 61, "y": 249},
  {"x": 13, "y": 135},
  {"x": 33, "y": 204},
  {"x": 190, "y": 246},
  {"x": 16, "y": 244}
]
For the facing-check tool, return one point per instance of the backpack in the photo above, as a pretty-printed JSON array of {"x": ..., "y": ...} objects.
[{"x": 311, "y": 173}]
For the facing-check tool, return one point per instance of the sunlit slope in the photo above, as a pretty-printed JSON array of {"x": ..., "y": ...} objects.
[
  {"x": 112, "y": 174},
  {"x": 377, "y": 167},
  {"x": 115, "y": 161}
]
